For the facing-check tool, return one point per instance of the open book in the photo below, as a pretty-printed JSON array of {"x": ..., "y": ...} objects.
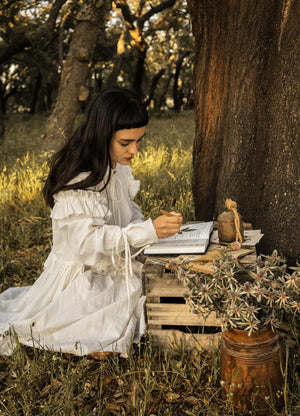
[{"x": 192, "y": 238}]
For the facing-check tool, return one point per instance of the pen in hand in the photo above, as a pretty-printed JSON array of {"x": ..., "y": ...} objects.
[
  {"x": 168, "y": 214},
  {"x": 165, "y": 227}
]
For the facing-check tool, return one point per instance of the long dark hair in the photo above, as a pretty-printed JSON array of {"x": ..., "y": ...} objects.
[{"x": 88, "y": 148}]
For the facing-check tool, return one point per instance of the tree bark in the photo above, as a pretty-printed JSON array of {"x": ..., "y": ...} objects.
[
  {"x": 246, "y": 95},
  {"x": 91, "y": 17}
]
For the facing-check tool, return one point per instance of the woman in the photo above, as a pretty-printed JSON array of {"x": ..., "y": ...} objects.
[{"x": 89, "y": 299}]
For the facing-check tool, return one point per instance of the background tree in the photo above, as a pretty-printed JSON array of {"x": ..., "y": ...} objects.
[
  {"x": 178, "y": 92},
  {"x": 91, "y": 19},
  {"x": 135, "y": 23},
  {"x": 28, "y": 54},
  {"x": 171, "y": 48},
  {"x": 246, "y": 91},
  {"x": 17, "y": 27}
]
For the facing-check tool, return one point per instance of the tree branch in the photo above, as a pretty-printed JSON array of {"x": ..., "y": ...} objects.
[
  {"x": 24, "y": 40},
  {"x": 140, "y": 8},
  {"x": 159, "y": 8},
  {"x": 15, "y": 47},
  {"x": 126, "y": 12},
  {"x": 50, "y": 23}
]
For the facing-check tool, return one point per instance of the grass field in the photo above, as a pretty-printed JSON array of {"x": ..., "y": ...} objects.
[{"x": 151, "y": 382}]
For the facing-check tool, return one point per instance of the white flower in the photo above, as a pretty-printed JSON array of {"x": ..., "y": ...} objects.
[{"x": 282, "y": 299}]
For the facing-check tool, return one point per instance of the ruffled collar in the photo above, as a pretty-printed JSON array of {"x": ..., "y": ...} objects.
[{"x": 119, "y": 192}]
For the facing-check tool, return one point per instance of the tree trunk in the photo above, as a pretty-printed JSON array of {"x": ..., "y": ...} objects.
[
  {"x": 246, "y": 95},
  {"x": 35, "y": 93},
  {"x": 2, "y": 126},
  {"x": 91, "y": 17},
  {"x": 162, "y": 98},
  {"x": 115, "y": 72},
  {"x": 48, "y": 96},
  {"x": 177, "y": 94},
  {"x": 153, "y": 86},
  {"x": 139, "y": 71}
]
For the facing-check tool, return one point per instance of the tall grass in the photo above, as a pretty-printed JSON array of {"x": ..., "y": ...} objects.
[{"x": 150, "y": 382}]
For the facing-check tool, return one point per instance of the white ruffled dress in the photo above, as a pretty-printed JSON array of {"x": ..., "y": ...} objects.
[{"x": 89, "y": 296}]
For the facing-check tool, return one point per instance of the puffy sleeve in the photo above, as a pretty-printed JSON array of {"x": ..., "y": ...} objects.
[
  {"x": 80, "y": 225},
  {"x": 133, "y": 188}
]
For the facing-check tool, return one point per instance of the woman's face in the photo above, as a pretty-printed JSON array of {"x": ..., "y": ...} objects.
[{"x": 125, "y": 144}]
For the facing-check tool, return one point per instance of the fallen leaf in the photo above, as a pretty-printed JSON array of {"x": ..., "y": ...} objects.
[
  {"x": 112, "y": 406},
  {"x": 45, "y": 390},
  {"x": 170, "y": 397},
  {"x": 191, "y": 400},
  {"x": 115, "y": 409},
  {"x": 106, "y": 381}
]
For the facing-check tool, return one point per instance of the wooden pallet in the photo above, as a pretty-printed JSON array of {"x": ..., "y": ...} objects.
[{"x": 169, "y": 319}]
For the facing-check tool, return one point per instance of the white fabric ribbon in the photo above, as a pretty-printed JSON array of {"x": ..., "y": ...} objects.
[{"x": 116, "y": 256}]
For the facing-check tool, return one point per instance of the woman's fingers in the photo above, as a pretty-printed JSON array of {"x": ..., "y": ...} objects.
[
  {"x": 176, "y": 213},
  {"x": 165, "y": 226}
]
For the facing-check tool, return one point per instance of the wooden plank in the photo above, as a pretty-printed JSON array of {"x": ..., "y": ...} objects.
[
  {"x": 249, "y": 259},
  {"x": 152, "y": 300},
  {"x": 154, "y": 264},
  {"x": 168, "y": 285},
  {"x": 166, "y": 339},
  {"x": 177, "y": 314},
  {"x": 165, "y": 279},
  {"x": 165, "y": 292}
]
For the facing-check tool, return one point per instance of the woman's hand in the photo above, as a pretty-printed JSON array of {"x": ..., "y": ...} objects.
[{"x": 165, "y": 226}]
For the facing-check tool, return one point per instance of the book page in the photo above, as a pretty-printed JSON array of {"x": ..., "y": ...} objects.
[
  {"x": 181, "y": 242},
  {"x": 196, "y": 231}
]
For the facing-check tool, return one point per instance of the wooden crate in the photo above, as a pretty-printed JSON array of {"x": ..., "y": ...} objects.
[{"x": 168, "y": 316}]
